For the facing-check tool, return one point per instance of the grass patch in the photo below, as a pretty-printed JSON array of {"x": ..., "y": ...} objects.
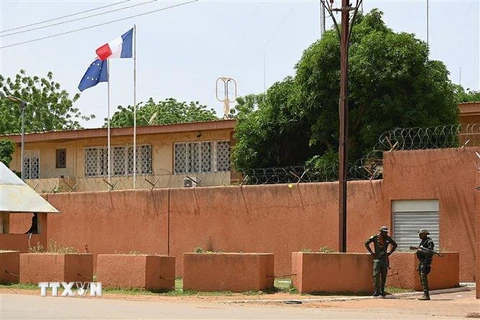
[
  {"x": 20, "y": 286},
  {"x": 394, "y": 290},
  {"x": 128, "y": 291},
  {"x": 339, "y": 293},
  {"x": 284, "y": 285},
  {"x": 388, "y": 290},
  {"x": 281, "y": 285},
  {"x": 177, "y": 291}
]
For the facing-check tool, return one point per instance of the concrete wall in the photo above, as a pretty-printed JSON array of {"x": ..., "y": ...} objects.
[
  {"x": 112, "y": 222},
  {"x": 477, "y": 275},
  {"x": 16, "y": 239},
  {"x": 332, "y": 272},
  {"x": 136, "y": 271},
  {"x": 39, "y": 267},
  {"x": 236, "y": 272},
  {"x": 448, "y": 175},
  {"x": 273, "y": 218},
  {"x": 20, "y": 242},
  {"x": 404, "y": 274},
  {"x": 9, "y": 267}
]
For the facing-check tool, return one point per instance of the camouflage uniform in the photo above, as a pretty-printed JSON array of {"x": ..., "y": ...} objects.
[
  {"x": 425, "y": 262},
  {"x": 380, "y": 261}
]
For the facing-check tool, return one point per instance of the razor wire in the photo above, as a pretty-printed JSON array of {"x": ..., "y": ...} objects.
[
  {"x": 423, "y": 138},
  {"x": 160, "y": 179},
  {"x": 417, "y": 138},
  {"x": 293, "y": 174},
  {"x": 371, "y": 165}
]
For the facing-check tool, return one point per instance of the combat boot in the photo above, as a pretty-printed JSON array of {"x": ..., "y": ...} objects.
[{"x": 425, "y": 296}]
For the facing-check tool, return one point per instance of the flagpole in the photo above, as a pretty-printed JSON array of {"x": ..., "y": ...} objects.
[
  {"x": 108, "y": 120},
  {"x": 134, "y": 106}
]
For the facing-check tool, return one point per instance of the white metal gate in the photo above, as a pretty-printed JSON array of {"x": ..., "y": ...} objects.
[{"x": 411, "y": 215}]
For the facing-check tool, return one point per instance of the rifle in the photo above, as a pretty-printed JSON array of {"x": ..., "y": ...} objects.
[{"x": 433, "y": 252}]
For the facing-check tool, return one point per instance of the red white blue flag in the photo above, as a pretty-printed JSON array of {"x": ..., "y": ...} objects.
[{"x": 120, "y": 47}]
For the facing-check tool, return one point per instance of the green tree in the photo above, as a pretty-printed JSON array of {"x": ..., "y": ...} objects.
[
  {"x": 266, "y": 125},
  {"x": 168, "y": 111},
  {"x": 468, "y": 95},
  {"x": 48, "y": 107},
  {"x": 392, "y": 83},
  {"x": 6, "y": 151}
]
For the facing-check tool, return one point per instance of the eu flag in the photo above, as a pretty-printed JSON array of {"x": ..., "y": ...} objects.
[{"x": 96, "y": 72}]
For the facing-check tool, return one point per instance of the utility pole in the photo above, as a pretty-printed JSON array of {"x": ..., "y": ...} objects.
[
  {"x": 343, "y": 112},
  {"x": 322, "y": 19},
  {"x": 344, "y": 36},
  {"x": 427, "y": 23}
]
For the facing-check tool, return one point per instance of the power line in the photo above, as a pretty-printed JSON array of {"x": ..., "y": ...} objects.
[
  {"x": 61, "y": 17},
  {"x": 97, "y": 25},
  {"x": 76, "y": 19}
]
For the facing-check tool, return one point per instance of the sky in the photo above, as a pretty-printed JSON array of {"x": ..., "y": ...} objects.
[{"x": 181, "y": 51}]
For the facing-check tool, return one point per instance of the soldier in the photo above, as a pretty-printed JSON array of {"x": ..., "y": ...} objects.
[
  {"x": 381, "y": 242},
  {"x": 425, "y": 254}
]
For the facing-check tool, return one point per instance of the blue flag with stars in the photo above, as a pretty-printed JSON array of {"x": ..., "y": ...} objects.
[{"x": 96, "y": 72}]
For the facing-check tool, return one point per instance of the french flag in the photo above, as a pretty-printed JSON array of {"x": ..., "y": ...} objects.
[{"x": 120, "y": 47}]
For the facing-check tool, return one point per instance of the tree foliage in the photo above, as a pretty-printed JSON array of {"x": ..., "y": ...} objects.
[
  {"x": 392, "y": 83},
  {"x": 468, "y": 95},
  {"x": 48, "y": 106},
  {"x": 168, "y": 111},
  {"x": 262, "y": 134},
  {"x": 6, "y": 150}
]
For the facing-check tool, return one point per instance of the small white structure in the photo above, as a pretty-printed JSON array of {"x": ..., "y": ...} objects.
[{"x": 17, "y": 197}]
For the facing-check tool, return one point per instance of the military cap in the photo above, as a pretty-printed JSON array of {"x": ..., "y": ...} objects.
[
  {"x": 423, "y": 231},
  {"x": 383, "y": 229}
]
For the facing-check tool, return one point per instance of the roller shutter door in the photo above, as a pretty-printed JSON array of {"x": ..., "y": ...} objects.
[{"x": 411, "y": 215}]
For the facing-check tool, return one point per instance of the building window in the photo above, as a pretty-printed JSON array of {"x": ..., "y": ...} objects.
[
  {"x": 194, "y": 157},
  {"x": 31, "y": 164},
  {"x": 223, "y": 156},
  {"x": 96, "y": 161},
  {"x": 61, "y": 158}
]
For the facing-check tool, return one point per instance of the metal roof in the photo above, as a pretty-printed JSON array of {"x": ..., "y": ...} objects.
[
  {"x": 125, "y": 131},
  {"x": 17, "y": 196}
]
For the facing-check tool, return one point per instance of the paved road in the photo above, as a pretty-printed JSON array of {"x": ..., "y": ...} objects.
[{"x": 19, "y": 306}]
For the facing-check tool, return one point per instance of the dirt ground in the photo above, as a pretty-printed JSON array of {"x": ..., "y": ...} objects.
[{"x": 450, "y": 304}]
